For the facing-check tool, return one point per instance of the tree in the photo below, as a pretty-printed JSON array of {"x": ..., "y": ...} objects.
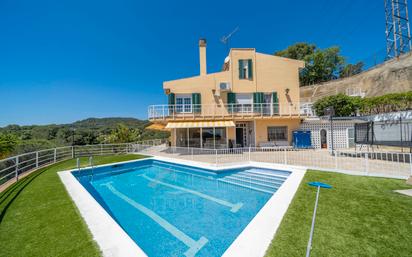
[
  {"x": 298, "y": 51},
  {"x": 351, "y": 69},
  {"x": 122, "y": 134},
  {"x": 343, "y": 105},
  {"x": 8, "y": 143},
  {"x": 321, "y": 66}
]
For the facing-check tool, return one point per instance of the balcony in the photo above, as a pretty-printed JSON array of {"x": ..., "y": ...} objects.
[{"x": 224, "y": 111}]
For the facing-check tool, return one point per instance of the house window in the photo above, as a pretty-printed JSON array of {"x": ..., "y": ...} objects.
[
  {"x": 245, "y": 69},
  {"x": 277, "y": 133},
  {"x": 244, "y": 103},
  {"x": 183, "y": 103},
  {"x": 267, "y": 104}
]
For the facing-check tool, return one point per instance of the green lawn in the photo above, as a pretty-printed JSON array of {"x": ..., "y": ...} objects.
[
  {"x": 360, "y": 216},
  {"x": 38, "y": 218}
]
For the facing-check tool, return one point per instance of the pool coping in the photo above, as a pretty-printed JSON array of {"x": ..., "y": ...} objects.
[{"x": 253, "y": 241}]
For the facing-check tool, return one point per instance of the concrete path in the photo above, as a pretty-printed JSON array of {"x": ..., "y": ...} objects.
[{"x": 407, "y": 192}]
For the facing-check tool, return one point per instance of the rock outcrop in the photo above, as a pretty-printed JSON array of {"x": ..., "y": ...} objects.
[{"x": 392, "y": 76}]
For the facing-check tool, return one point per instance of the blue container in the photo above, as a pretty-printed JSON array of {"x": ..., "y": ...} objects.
[{"x": 302, "y": 139}]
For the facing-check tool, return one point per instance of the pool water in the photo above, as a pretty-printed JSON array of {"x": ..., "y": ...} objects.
[{"x": 177, "y": 210}]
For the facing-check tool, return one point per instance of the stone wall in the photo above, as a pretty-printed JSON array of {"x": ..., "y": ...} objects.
[{"x": 392, "y": 76}]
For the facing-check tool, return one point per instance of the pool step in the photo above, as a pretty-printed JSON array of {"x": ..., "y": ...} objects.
[
  {"x": 256, "y": 179},
  {"x": 252, "y": 181},
  {"x": 275, "y": 180},
  {"x": 269, "y": 191},
  {"x": 264, "y": 174}
]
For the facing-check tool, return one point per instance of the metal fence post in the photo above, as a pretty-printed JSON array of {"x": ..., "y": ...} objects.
[
  {"x": 285, "y": 156},
  {"x": 55, "y": 155},
  {"x": 101, "y": 149},
  {"x": 192, "y": 152},
  {"x": 37, "y": 159},
  {"x": 17, "y": 168},
  {"x": 410, "y": 162},
  {"x": 216, "y": 157},
  {"x": 336, "y": 160},
  {"x": 249, "y": 153},
  {"x": 73, "y": 154},
  {"x": 367, "y": 163}
]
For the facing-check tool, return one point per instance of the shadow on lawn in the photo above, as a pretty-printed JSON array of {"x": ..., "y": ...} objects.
[{"x": 8, "y": 196}]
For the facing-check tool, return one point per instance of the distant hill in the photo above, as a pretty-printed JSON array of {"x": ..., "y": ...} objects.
[
  {"x": 87, "y": 131},
  {"x": 110, "y": 122},
  {"x": 95, "y": 123}
]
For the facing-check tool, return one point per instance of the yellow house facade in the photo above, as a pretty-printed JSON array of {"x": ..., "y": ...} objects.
[{"x": 253, "y": 101}]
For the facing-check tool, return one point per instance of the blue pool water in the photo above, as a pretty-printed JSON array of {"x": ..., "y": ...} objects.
[{"x": 177, "y": 210}]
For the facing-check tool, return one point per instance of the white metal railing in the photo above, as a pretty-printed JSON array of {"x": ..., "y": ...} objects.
[
  {"x": 181, "y": 111},
  {"x": 382, "y": 164},
  {"x": 306, "y": 109},
  {"x": 14, "y": 167}
]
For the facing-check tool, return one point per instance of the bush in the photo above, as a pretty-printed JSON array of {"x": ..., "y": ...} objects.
[
  {"x": 344, "y": 105},
  {"x": 349, "y": 106}
]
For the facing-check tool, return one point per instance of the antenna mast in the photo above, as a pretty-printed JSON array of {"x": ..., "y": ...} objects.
[
  {"x": 225, "y": 39},
  {"x": 398, "y": 34}
]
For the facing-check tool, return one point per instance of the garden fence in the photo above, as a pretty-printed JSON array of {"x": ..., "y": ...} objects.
[
  {"x": 12, "y": 168},
  {"x": 382, "y": 164}
]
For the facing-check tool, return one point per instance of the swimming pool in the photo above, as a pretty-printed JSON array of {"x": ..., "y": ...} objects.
[{"x": 170, "y": 209}]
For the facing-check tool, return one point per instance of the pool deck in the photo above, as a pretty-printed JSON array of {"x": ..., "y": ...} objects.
[
  {"x": 310, "y": 158},
  {"x": 252, "y": 242},
  {"x": 111, "y": 238},
  {"x": 407, "y": 192}
]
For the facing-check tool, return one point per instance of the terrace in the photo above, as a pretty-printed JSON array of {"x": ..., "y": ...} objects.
[
  {"x": 226, "y": 111},
  {"x": 359, "y": 207}
]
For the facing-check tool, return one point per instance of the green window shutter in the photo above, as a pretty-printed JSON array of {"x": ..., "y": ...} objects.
[
  {"x": 261, "y": 98},
  {"x": 257, "y": 101},
  {"x": 196, "y": 102},
  {"x": 171, "y": 102},
  {"x": 231, "y": 100},
  {"x": 275, "y": 101},
  {"x": 255, "y": 98},
  {"x": 171, "y": 99},
  {"x": 241, "y": 75},
  {"x": 250, "y": 68}
]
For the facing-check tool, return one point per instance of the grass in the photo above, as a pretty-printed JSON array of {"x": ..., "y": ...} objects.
[
  {"x": 360, "y": 216},
  {"x": 38, "y": 217}
]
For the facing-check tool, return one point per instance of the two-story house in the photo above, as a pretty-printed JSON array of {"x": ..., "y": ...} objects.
[{"x": 253, "y": 101}]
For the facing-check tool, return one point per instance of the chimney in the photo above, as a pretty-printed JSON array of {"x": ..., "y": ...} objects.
[{"x": 202, "y": 55}]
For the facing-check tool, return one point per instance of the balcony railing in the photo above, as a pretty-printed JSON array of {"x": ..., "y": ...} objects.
[{"x": 215, "y": 111}]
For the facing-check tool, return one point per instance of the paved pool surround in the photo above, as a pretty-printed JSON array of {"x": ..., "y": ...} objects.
[{"x": 253, "y": 240}]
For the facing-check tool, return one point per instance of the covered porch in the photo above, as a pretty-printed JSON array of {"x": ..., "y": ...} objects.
[{"x": 202, "y": 134}]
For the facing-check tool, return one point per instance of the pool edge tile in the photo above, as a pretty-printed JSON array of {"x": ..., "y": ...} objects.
[
  {"x": 258, "y": 234},
  {"x": 253, "y": 241},
  {"x": 112, "y": 240}
]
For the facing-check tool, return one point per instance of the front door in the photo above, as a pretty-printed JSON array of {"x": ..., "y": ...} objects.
[{"x": 240, "y": 137}]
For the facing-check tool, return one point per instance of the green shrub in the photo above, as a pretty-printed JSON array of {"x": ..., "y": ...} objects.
[{"x": 349, "y": 106}]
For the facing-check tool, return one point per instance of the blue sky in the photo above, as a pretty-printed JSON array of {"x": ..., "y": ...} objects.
[{"x": 62, "y": 61}]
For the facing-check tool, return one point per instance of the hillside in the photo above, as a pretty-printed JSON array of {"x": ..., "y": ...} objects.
[
  {"x": 110, "y": 122},
  {"x": 393, "y": 76},
  {"x": 88, "y": 131}
]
